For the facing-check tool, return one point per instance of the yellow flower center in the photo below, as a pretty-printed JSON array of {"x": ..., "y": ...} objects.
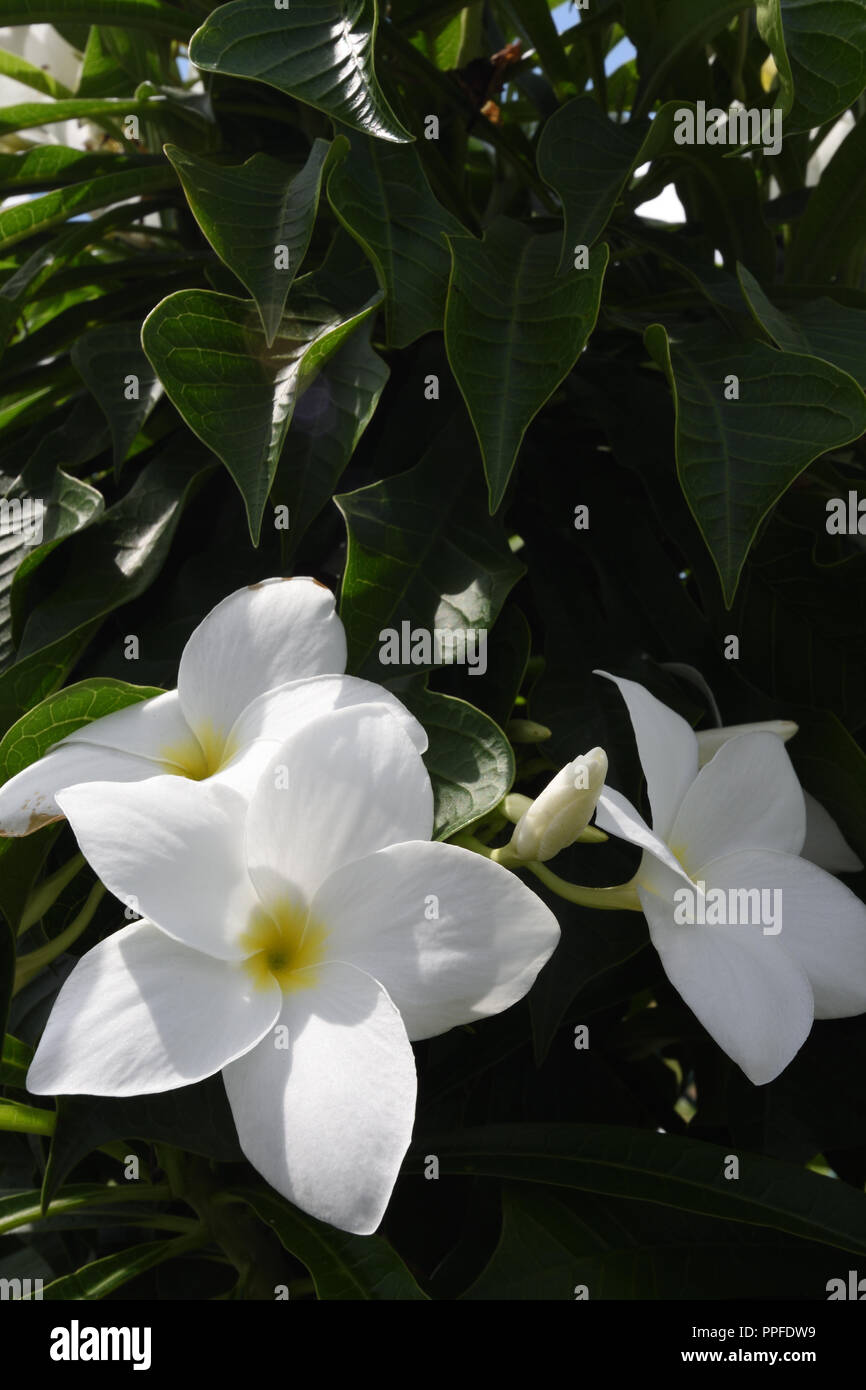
[
  {"x": 283, "y": 944},
  {"x": 198, "y": 756}
]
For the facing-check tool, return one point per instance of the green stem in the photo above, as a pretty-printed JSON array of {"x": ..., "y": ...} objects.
[
  {"x": 622, "y": 895},
  {"x": 253, "y": 1250},
  {"x": 62, "y": 1206},
  {"x": 28, "y": 966},
  {"x": 48, "y": 892},
  {"x": 738, "y": 86}
]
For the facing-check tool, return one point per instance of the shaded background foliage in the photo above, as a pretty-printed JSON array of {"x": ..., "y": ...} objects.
[{"x": 413, "y": 259}]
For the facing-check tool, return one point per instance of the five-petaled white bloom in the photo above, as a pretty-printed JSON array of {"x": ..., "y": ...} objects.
[
  {"x": 738, "y": 823},
  {"x": 295, "y": 942},
  {"x": 242, "y": 688}
]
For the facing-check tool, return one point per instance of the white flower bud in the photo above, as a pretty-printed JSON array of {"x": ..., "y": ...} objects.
[
  {"x": 563, "y": 810},
  {"x": 711, "y": 740}
]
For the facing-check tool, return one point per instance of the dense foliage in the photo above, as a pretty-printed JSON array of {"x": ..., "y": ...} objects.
[{"x": 365, "y": 295}]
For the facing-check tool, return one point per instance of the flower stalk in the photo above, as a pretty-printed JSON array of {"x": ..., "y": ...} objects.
[{"x": 30, "y": 965}]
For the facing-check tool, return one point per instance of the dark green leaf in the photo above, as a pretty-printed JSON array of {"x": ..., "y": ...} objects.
[
  {"x": 234, "y": 391},
  {"x": 112, "y": 364},
  {"x": 320, "y": 52},
  {"x": 196, "y": 1118},
  {"x": 423, "y": 553},
  {"x": 102, "y": 1277},
  {"x": 736, "y": 457},
  {"x": 819, "y": 327},
  {"x": 342, "y": 1266},
  {"x": 553, "y": 1243},
  {"x": 820, "y": 54},
  {"x": 14, "y": 1062},
  {"x": 41, "y": 214},
  {"x": 513, "y": 332},
  {"x": 381, "y": 195},
  {"x": 137, "y": 14},
  {"x": 469, "y": 759},
  {"x": 252, "y": 211},
  {"x": 685, "y": 1174},
  {"x": 327, "y": 423}
]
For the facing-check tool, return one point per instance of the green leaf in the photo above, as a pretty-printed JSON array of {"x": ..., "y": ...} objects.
[
  {"x": 22, "y": 1208},
  {"x": 41, "y": 214},
  {"x": 593, "y": 944},
  {"x": 328, "y": 421},
  {"x": 735, "y": 458},
  {"x": 249, "y": 210},
  {"x": 16, "y": 1118},
  {"x": 513, "y": 332},
  {"x": 319, "y": 52},
  {"x": 63, "y": 713},
  {"x": 35, "y": 676},
  {"x": 196, "y": 1118},
  {"x": 342, "y": 1266},
  {"x": 139, "y": 527},
  {"x": 152, "y": 15},
  {"x": 47, "y": 166},
  {"x": 830, "y": 237},
  {"x": 56, "y": 505},
  {"x": 469, "y": 759},
  {"x": 553, "y": 1242},
  {"x": 106, "y": 358},
  {"x": 586, "y": 158},
  {"x": 665, "y": 36},
  {"x": 12, "y": 65},
  {"x": 423, "y": 551},
  {"x": 102, "y": 1277},
  {"x": 382, "y": 197},
  {"x": 818, "y": 327},
  {"x": 7, "y": 970},
  {"x": 14, "y": 1062},
  {"x": 685, "y": 1174},
  {"x": 26, "y": 115},
  {"x": 820, "y": 54},
  {"x": 21, "y": 859},
  {"x": 233, "y": 390}
]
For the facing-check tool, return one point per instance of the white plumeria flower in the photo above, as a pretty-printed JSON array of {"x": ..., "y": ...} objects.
[
  {"x": 825, "y": 845},
  {"x": 243, "y": 685},
  {"x": 296, "y": 943},
  {"x": 738, "y": 824}
]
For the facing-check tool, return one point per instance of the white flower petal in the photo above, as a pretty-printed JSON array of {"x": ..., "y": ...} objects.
[
  {"x": 747, "y": 797},
  {"x": 176, "y": 847},
  {"x": 478, "y": 955},
  {"x": 258, "y": 638},
  {"x": 347, "y": 784},
  {"x": 825, "y": 845},
  {"x": 823, "y": 924},
  {"x": 328, "y": 1120},
  {"x": 660, "y": 871},
  {"x": 277, "y": 714},
  {"x": 153, "y": 729},
  {"x": 667, "y": 748},
  {"x": 141, "y": 1013},
  {"x": 711, "y": 740},
  {"x": 745, "y": 988},
  {"x": 28, "y": 800}
]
